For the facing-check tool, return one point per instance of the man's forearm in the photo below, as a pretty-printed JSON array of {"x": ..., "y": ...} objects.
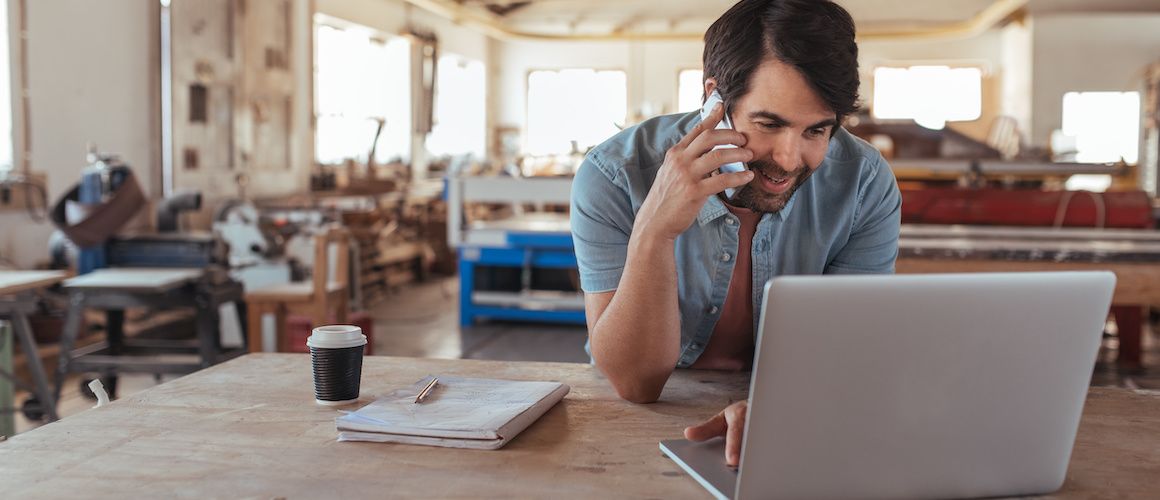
[{"x": 636, "y": 342}]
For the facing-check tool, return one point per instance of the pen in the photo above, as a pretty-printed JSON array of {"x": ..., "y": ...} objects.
[{"x": 426, "y": 390}]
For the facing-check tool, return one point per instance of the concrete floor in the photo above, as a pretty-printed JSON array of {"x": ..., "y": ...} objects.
[{"x": 422, "y": 321}]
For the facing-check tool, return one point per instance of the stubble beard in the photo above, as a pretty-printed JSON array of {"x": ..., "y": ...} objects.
[{"x": 754, "y": 198}]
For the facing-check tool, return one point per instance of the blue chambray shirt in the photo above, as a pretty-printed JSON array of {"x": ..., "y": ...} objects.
[{"x": 844, "y": 219}]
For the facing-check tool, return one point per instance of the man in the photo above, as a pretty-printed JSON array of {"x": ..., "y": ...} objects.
[{"x": 672, "y": 270}]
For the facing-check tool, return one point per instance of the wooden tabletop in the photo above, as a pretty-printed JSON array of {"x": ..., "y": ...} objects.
[
  {"x": 13, "y": 282},
  {"x": 135, "y": 279},
  {"x": 250, "y": 428}
]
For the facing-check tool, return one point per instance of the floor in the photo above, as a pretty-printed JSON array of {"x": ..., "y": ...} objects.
[{"x": 422, "y": 321}]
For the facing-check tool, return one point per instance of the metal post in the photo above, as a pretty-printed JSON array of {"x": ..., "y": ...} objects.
[{"x": 7, "y": 400}]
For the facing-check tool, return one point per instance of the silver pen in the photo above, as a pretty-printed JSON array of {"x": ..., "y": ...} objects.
[{"x": 426, "y": 390}]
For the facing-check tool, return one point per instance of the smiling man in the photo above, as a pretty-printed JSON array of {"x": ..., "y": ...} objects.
[{"x": 671, "y": 269}]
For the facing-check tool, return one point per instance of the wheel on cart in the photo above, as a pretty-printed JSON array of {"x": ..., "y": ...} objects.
[{"x": 32, "y": 409}]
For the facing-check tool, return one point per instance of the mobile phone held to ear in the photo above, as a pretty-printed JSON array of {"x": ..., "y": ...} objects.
[{"x": 727, "y": 124}]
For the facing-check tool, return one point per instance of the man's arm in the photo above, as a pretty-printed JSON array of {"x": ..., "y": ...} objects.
[{"x": 634, "y": 331}]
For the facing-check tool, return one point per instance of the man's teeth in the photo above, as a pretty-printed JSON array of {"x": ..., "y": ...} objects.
[{"x": 774, "y": 180}]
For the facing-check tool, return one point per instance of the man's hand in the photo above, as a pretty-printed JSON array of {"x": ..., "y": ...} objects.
[
  {"x": 684, "y": 181},
  {"x": 730, "y": 423}
]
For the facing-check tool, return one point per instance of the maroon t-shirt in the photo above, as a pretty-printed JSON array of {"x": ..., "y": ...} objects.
[{"x": 731, "y": 346}]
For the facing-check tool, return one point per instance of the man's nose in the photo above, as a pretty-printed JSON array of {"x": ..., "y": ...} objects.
[{"x": 787, "y": 153}]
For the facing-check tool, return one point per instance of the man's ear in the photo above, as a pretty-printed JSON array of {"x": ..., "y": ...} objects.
[{"x": 710, "y": 86}]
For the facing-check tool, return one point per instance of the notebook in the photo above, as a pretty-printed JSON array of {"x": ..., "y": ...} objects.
[{"x": 459, "y": 412}]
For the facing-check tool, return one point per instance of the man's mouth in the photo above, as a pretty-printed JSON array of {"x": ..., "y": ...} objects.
[{"x": 774, "y": 184}]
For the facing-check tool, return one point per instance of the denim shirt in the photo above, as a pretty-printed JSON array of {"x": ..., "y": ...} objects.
[{"x": 844, "y": 219}]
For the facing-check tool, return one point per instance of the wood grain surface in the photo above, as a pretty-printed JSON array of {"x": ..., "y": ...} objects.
[
  {"x": 250, "y": 428},
  {"x": 13, "y": 282}
]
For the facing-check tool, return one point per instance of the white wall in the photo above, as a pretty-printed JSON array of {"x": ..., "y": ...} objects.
[
  {"x": 1018, "y": 76},
  {"x": 91, "y": 78},
  {"x": 1088, "y": 53}
]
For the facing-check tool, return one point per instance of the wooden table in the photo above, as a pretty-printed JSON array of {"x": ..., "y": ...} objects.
[
  {"x": 17, "y": 300},
  {"x": 250, "y": 428}
]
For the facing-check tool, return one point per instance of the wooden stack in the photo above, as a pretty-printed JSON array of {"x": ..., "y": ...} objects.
[{"x": 387, "y": 255}]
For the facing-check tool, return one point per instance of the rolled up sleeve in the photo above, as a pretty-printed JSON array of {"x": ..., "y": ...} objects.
[{"x": 601, "y": 218}]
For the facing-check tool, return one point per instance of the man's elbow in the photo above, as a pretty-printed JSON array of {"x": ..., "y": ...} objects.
[
  {"x": 638, "y": 388},
  {"x": 638, "y": 394}
]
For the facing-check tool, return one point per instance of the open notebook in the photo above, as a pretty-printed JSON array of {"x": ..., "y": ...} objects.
[{"x": 459, "y": 413}]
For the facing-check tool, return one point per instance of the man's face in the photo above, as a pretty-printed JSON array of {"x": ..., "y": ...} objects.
[{"x": 787, "y": 127}]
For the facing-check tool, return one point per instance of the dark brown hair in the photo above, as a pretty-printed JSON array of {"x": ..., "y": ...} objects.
[{"x": 814, "y": 36}]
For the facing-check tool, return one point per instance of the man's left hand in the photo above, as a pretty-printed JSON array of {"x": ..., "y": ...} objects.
[{"x": 729, "y": 423}]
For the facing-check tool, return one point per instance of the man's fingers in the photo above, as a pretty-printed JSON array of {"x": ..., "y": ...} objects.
[
  {"x": 720, "y": 182},
  {"x": 703, "y": 145},
  {"x": 714, "y": 159},
  {"x": 709, "y": 123},
  {"x": 735, "y": 421},
  {"x": 710, "y": 428}
]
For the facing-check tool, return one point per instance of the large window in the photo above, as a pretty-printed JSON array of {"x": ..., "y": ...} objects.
[
  {"x": 361, "y": 80},
  {"x": 1101, "y": 126},
  {"x": 460, "y": 109},
  {"x": 581, "y": 106},
  {"x": 690, "y": 89},
  {"x": 929, "y": 95}
]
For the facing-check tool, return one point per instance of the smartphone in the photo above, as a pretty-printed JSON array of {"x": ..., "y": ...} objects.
[{"x": 727, "y": 124}]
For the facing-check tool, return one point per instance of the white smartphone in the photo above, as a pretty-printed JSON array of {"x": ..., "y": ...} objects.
[{"x": 712, "y": 101}]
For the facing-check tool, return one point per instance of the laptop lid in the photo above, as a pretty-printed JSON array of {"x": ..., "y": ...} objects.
[{"x": 920, "y": 386}]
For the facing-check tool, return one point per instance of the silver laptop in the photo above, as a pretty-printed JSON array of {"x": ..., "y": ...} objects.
[{"x": 914, "y": 386}]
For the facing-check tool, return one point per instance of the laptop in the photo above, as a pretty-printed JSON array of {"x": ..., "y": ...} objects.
[{"x": 912, "y": 386}]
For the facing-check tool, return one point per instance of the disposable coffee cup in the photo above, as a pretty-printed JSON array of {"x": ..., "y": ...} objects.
[{"x": 337, "y": 354}]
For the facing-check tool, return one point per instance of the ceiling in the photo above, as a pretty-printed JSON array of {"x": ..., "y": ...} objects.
[{"x": 689, "y": 18}]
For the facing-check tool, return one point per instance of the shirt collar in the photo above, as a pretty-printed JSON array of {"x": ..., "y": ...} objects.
[{"x": 714, "y": 208}]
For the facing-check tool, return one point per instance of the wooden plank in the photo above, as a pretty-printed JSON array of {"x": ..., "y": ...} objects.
[
  {"x": 1136, "y": 283},
  {"x": 13, "y": 282},
  {"x": 236, "y": 430},
  {"x": 135, "y": 279}
]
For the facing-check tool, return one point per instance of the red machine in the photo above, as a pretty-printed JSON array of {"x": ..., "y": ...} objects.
[{"x": 1000, "y": 207}]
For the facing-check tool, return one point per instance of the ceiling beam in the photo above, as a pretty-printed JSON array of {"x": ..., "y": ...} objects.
[{"x": 492, "y": 25}]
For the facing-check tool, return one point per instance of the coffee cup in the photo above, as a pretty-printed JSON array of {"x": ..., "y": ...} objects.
[{"x": 336, "y": 352}]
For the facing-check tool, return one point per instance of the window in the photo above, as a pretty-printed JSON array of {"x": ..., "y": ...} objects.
[
  {"x": 1102, "y": 126},
  {"x": 929, "y": 95},
  {"x": 690, "y": 89},
  {"x": 360, "y": 81},
  {"x": 584, "y": 106},
  {"x": 460, "y": 109}
]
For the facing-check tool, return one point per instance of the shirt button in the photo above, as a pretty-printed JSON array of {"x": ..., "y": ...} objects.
[
  {"x": 725, "y": 257},
  {"x": 731, "y": 221},
  {"x": 713, "y": 310}
]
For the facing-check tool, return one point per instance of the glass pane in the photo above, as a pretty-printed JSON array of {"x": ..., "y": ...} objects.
[
  {"x": 581, "y": 106},
  {"x": 690, "y": 88},
  {"x": 460, "y": 109}
]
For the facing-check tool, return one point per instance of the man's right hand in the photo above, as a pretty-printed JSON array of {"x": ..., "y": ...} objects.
[
  {"x": 684, "y": 182},
  {"x": 729, "y": 423}
]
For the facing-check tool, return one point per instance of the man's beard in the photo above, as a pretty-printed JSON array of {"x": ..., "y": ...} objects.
[{"x": 754, "y": 198}]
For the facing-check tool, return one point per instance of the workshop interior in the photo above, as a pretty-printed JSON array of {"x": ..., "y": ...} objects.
[{"x": 186, "y": 182}]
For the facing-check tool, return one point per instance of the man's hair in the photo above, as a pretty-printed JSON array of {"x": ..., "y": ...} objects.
[{"x": 814, "y": 36}]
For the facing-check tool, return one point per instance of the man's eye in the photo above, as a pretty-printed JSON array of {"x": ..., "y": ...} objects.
[
  {"x": 816, "y": 132},
  {"x": 767, "y": 125}
]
